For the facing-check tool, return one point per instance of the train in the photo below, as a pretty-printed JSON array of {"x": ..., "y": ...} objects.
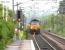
[{"x": 34, "y": 26}]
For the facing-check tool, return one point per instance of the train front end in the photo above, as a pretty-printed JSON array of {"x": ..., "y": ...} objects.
[{"x": 35, "y": 27}]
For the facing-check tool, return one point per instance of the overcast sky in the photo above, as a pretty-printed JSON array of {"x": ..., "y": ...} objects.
[{"x": 36, "y": 7}]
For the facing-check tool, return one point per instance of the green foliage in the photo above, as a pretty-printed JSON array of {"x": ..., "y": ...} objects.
[
  {"x": 56, "y": 24},
  {"x": 6, "y": 32},
  {"x": 0, "y": 10},
  {"x": 6, "y": 29},
  {"x": 10, "y": 13}
]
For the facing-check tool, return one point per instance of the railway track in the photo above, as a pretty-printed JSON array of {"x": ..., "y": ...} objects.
[
  {"x": 41, "y": 44},
  {"x": 47, "y": 41},
  {"x": 55, "y": 41},
  {"x": 60, "y": 40}
]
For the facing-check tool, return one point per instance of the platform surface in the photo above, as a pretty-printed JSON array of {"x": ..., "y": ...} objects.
[{"x": 24, "y": 45}]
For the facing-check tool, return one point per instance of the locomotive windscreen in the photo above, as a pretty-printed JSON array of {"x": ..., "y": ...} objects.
[{"x": 35, "y": 23}]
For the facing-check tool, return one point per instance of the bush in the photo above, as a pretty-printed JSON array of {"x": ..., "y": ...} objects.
[{"x": 6, "y": 32}]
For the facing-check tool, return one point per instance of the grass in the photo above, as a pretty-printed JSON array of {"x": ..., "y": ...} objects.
[
  {"x": 56, "y": 31},
  {"x": 61, "y": 34}
]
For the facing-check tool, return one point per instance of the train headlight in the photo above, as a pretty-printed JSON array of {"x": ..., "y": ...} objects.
[{"x": 31, "y": 27}]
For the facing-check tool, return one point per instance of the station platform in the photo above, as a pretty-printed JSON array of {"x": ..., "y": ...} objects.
[{"x": 21, "y": 45}]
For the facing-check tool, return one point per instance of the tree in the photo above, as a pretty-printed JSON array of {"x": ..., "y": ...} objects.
[
  {"x": 62, "y": 7},
  {"x": 1, "y": 10},
  {"x": 10, "y": 13}
]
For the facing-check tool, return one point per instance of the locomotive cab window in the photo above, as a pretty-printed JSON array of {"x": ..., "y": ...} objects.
[{"x": 35, "y": 23}]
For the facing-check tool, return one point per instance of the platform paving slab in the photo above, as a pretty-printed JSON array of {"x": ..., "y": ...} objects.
[{"x": 21, "y": 45}]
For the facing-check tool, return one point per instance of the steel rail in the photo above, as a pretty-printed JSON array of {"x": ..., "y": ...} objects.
[
  {"x": 47, "y": 42},
  {"x": 36, "y": 42}
]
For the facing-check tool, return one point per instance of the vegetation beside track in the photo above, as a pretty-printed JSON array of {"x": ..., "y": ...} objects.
[
  {"x": 6, "y": 28},
  {"x": 55, "y": 24}
]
